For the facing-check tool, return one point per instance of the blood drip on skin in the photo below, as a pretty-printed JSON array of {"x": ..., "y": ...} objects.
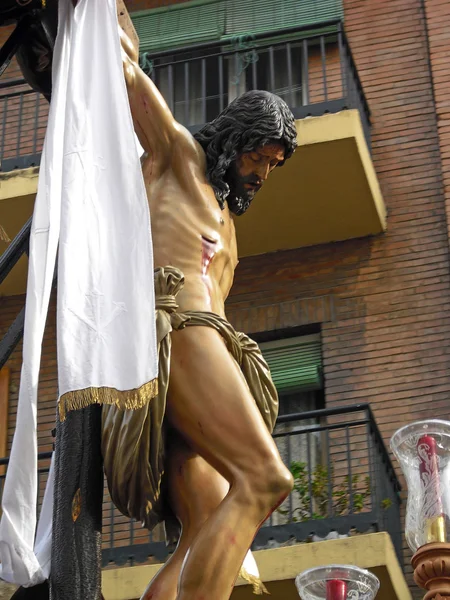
[
  {"x": 274, "y": 508},
  {"x": 154, "y": 593},
  {"x": 277, "y": 504},
  {"x": 209, "y": 250},
  {"x": 233, "y": 539}
]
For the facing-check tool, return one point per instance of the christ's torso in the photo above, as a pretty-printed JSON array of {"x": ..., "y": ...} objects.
[{"x": 189, "y": 229}]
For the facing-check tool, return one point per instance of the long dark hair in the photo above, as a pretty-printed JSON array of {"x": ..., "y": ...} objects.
[{"x": 254, "y": 119}]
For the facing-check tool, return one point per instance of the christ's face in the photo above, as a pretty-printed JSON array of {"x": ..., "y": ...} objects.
[{"x": 248, "y": 173}]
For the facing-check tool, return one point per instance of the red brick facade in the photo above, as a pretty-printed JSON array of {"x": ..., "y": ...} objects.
[
  {"x": 438, "y": 13},
  {"x": 383, "y": 303}
]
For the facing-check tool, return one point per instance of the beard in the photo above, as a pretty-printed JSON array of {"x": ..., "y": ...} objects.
[
  {"x": 239, "y": 197},
  {"x": 238, "y": 205}
]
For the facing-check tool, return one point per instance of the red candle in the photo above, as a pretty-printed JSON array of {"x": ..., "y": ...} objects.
[
  {"x": 429, "y": 476},
  {"x": 336, "y": 589}
]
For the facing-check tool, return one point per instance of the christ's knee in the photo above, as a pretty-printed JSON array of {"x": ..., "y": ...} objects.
[{"x": 264, "y": 489}]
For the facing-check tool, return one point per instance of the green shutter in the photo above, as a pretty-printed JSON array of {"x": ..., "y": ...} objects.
[
  {"x": 198, "y": 21},
  {"x": 269, "y": 16},
  {"x": 180, "y": 25},
  {"x": 295, "y": 363}
]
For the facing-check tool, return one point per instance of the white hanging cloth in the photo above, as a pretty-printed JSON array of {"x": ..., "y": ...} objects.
[{"x": 92, "y": 205}]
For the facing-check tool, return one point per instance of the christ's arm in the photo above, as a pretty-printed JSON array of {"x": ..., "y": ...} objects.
[{"x": 153, "y": 122}]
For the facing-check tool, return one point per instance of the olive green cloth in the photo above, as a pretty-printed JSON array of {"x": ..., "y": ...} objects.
[{"x": 133, "y": 440}]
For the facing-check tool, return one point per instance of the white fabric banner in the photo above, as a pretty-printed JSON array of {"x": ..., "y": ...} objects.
[{"x": 92, "y": 202}]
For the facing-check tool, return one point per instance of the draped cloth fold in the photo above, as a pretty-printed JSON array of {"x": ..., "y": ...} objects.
[
  {"x": 92, "y": 209},
  {"x": 133, "y": 440}
]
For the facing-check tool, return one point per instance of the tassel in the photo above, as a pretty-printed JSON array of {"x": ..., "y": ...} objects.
[
  {"x": 258, "y": 586},
  {"x": 124, "y": 400},
  {"x": 3, "y": 235}
]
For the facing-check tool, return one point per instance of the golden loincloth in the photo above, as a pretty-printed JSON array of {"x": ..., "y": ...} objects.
[{"x": 133, "y": 440}]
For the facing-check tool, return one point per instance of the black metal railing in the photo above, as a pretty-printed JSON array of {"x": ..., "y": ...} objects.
[
  {"x": 314, "y": 72},
  {"x": 344, "y": 483},
  {"x": 8, "y": 259}
]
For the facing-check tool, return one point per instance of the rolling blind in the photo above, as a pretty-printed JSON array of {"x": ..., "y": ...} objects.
[
  {"x": 295, "y": 363},
  {"x": 198, "y": 21},
  {"x": 180, "y": 24},
  {"x": 267, "y": 16}
]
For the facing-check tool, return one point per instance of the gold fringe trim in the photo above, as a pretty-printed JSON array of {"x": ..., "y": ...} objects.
[
  {"x": 258, "y": 586},
  {"x": 124, "y": 400},
  {"x": 3, "y": 235}
]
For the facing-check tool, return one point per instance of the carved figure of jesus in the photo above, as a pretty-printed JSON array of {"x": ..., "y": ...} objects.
[{"x": 224, "y": 475}]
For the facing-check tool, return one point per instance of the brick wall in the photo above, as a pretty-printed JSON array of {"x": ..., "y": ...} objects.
[{"x": 438, "y": 15}]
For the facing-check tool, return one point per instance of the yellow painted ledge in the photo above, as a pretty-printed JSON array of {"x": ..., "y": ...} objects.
[
  {"x": 16, "y": 184},
  {"x": 327, "y": 192},
  {"x": 280, "y": 566}
]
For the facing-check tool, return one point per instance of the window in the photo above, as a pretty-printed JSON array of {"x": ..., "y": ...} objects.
[
  {"x": 296, "y": 366},
  {"x": 295, "y": 363}
]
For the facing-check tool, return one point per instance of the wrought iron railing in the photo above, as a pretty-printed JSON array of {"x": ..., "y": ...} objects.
[
  {"x": 313, "y": 71},
  {"x": 344, "y": 484},
  {"x": 344, "y": 479},
  {"x": 9, "y": 258}
]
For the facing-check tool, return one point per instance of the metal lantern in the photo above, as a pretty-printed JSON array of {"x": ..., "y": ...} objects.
[{"x": 337, "y": 582}]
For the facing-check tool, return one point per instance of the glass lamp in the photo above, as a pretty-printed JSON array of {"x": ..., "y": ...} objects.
[
  {"x": 423, "y": 451},
  {"x": 337, "y": 582}
]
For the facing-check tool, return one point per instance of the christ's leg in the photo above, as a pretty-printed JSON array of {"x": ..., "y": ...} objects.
[
  {"x": 195, "y": 490},
  {"x": 210, "y": 403}
]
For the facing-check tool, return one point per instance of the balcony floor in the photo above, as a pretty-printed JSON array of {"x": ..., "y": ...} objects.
[{"x": 280, "y": 566}]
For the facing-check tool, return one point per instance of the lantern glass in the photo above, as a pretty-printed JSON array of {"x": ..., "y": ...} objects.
[
  {"x": 423, "y": 451},
  {"x": 337, "y": 582}
]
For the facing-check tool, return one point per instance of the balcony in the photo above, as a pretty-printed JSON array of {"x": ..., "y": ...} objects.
[
  {"x": 346, "y": 492},
  {"x": 327, "y": 192}
]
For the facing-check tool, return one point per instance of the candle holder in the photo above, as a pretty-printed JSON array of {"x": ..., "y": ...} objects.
[
  {"x": 337, "y": 582},
  {"x": 423, "y": 451}
]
